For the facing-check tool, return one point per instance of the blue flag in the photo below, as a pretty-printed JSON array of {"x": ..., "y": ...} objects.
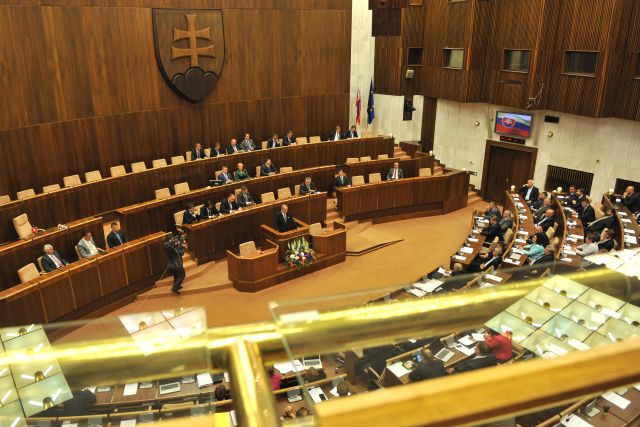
[{"x": 371, "y": 114}]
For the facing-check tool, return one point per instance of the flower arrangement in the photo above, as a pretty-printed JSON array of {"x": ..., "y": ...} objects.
[{"x": 299, "y": 254}]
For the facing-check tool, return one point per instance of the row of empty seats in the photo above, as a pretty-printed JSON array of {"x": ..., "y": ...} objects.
[{"x": 351, "y": 160}]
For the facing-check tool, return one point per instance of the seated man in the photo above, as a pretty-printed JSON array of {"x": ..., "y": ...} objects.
[
  {"x": 241, "y": 173},
  {"x": 547, "y": 220},
  {"x": 500, "y": 345},
  {"x": 335, "y": 135},
  {"x": 224, "y": 175},
  {"x": 539, "y": 202},
  {"x": 529, "y": 192},
  {"x": 631, "y": 199},
  {"x": 352, "y": 133},
  {"x": 198, "y": 153},
  {"x": 506, "y": 222},
  {"x": 342, "y": 180},
  {"x": 233, "y": 148},
  {"x": 607, "y": 221},
  {"x": 273, "y": 141},
  {"x": 492, "y": 210},
  {"x": 428, "y": 368},
  {"x": 606, "y": 242},
  {"x": 208, "y": 210},
  {"x": 571, "y": 200},
  {"x": 342, "y": 388},
  {"x": 539, "y": 213},
  {"x": 244, "y": 198},
  {"x": 268, "y": 168},
  {"x": 586, "y": 214},
  {"x": 492, "y": 230},
  {"x": 229, "y": 204},
  {"x": 247, "y": 143},
  {"x": 116, "y": 237},
  {"x": 189, "y": 216},
  {"x": 589, "y": 247},
  {"x": 395, "y": 172},
  {"x": 216, "y": 150},
  {"x": 288, "y": 139},
  {"x": 579, "y": 197},
  {"x": 485, "y": 260},
  {"x": 87, "y": 247},
  {"x": 51, "y": 260},
  {"x": 284, "y": 221},
  {"x": 307, "y": 187},
  {"x": 482, "y": 359}
]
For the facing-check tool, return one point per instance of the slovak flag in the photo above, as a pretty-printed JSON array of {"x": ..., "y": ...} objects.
[{"x": 358, "y": 107}]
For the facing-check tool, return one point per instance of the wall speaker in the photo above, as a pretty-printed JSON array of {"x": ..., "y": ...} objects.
[
  {"x": 552, "y": 119},
  {"x": 408, "y": 74}
]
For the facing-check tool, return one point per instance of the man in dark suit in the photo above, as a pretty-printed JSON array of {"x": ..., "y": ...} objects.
[
  {"x": 631, "y": 199},
  {"x": 224, "y": 175},
  {"x": 492, "y": 230},
  {"x": 483, "y": 359},
  {"x": 268, "y": 168},
  {"x": 247, "y": 143},
  {"x": 198, "y": 153},
  {"x": 492, "y": 210},
  {"x": 540, "y": 202},
  {"x": 571, "y": 199},
  {"x": 342, "y": 180},
  {"x": 233, "y": 148},
  {"x": 539, "y": 213},
  {"x": 579, "y": 197},
  {"x": 229, "y": 204},
  {"x": 244, "y": 198},
  {"x": 428, "y": 368},
  {"x": 335, "y": 135},
  {"x": 216, "y": 150},
  {"x": 208, "y": 210},
  {"x": 284, "y": 221},
  {"x": 547, "y": 220},
  {"x": 607, "y": 221},
  {"x": 529, "y": 192},
  {"x": 353, "y": 133},
  {"x": 288, "y": 139},
  {"x": 395, "y": 172},
  {"x": 586, "y": 214},
  {"x": 116, "y": 237},
  {"x": 307, "y": 187},
  {"x": 51, "y": 260},
  {"x": 606, "y": 242},
  {"x": 484, "y": 261},
  {"x": 189, "y": 216},
  {"x": 273, "y": 141},
  {"x": 174, "y": 251}
]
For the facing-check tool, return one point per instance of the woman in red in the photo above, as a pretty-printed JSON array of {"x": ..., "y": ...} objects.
[
  {"x": 499, "y": 344},
  {"x": 275, "y": 377}
]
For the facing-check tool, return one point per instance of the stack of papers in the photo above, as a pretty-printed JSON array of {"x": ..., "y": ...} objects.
[
  {"x": 467, "y": 340},
  {"x": 477, "y": 336},
  {"x": 466, "y": 351},
  {"x": 130, "y": 390},
  {"x": 417, "y": 292},
  {"x": 467, "y": 250},
  {"x": 286, "y": 367},
  {"x": 315, "y": 393},
  {"x": 398, "y": 369},
  {"x": 617, "y": 400},
  {"x": 204, "y": 379},
  {"x": 493, "y": 277},
  {"x": 429, "y": 286}
]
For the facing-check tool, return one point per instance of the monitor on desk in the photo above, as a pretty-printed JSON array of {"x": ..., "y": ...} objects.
[{"x": 215, "y": 182}]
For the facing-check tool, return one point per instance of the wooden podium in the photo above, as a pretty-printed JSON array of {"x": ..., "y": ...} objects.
[{"x": 266, "y": 269}]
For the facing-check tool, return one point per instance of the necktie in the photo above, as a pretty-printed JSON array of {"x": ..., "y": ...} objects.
[
  {"x": 235, "y": 150},
  {"x": 395, "y": 174},
  {"x": 56, "y": 261},
  {"x": 119, "y": 239}
]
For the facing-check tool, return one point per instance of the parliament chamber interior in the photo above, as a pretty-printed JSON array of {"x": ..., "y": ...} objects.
[{"x": 325, "y": 213}]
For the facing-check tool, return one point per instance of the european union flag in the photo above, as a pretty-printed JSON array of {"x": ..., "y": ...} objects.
[{"x": 371, "y": 114}]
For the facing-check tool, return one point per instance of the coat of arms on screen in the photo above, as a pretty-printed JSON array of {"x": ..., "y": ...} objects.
[{"x": 189, "y": 50}]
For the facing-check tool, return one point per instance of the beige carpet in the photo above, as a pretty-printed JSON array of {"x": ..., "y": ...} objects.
[{"x": 369, "y": 239}]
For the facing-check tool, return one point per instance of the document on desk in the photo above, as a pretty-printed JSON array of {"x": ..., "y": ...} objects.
[
  {"x": 417, "y": 292},
  {"x": 493, "y": 277},
  {"x": 430, "y": 285},
  {"x": 69, "y": 424},
  {"x": 91, "y": 389},
  {"x": 574, "y": 421},
  {"x": 128, "y": 423},
  {"x": 478, "y": 337},
  {"x": 521, "y": 241},
  {"x": 629, "y": 231},
  {"x": 459, "y": 258},
  {"x": 466, "y": 250},
  {"x": 315, "y": 393},
  {"x": 524, "y": 233},
  {"x": 473, "y": 240},
  {"x": 204, "y": 379},
  {"x": 617, "y": 400},
  {"x": 398, "y": 369},
  {"x": 626, "y": 220},
  {"x": 630, "y": 239},
  {"x": 466, "y": 340},
  {"x": 286, "y": 367},
  {"x": 466, "y": 351},
  {"x": 577, "y": 236},
  {"x": 130, "y": 390},
  {"x": 334, "y": 391}
]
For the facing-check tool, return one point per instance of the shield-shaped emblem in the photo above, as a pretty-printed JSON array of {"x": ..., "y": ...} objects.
[{"x": 189, "y": 50}]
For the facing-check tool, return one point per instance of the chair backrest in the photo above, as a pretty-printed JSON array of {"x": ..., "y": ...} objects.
[
  {"x": 424, "y": 172},
  {"x": 493, "y": 244},
  {"x": 71, "y": 180},
  {"x": 117, "y": 170},
  {"x": 555, "y": 242},
  {"x": 181, "y": 188},
  {"x": 187, "y": 155},
  {"x": 315, "y": 229},
  {"x": 597, "y": 207},
  {"x": 508, "y": 235},
  {"x": 207, "y": 152},
  {"x": 25, "y": 194},
  {"x": 28, "y": 272},
  {"x": 375, "y": 177},
  {"x": 237, "y": 191},
  {"x": 301, "y": 140},
  {"x": 284, "y": 193},
  {"x": 93, "y": 176},
  {"x": 159, "y": 163},
  {"x": 267, "y": 197},
  {"x": 264, "y": 144},
  {"x": 218, "y": 206},
  {"x": 4, "y": 199},
  {"x": 383, "y": 156},
  {"x": 163, "y": 193},
  {"x": 285, "y": 169},
  {"x": 258, "y": 169},
  {"x": 50, "y": 188},
  {"x": 39, "y": 261},
  {"x": 296, "y": 189},
  {"x": 22, "y": 226},
  {"x": 365, "y": 158},
  {"x": 177, "y": 160},
  {"x": 313, "y": 139},
  {"x": 357, "y": 180},
  {"x": 551, "y": 232},
  {"x": 352, "y": 160},
  {"x": 141, "y": 166},
  {"x": 248, "y": 249},
  {"x": 178, "y": 217}
]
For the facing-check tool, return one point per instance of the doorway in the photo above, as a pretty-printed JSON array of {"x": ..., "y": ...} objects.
[{"x": 506, "y": 164}]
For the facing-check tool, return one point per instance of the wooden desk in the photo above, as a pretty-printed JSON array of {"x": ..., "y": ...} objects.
[
  {"x": 409, "y": 197},
  {"x": 525, "y": 228},
  {"x": 630, "y": 227}
]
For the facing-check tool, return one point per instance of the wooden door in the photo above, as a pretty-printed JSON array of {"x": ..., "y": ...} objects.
[{"x": 505, "y": 165}]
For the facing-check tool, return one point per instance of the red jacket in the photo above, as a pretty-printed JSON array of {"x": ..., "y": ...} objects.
[{"x": 500, "y": 347}]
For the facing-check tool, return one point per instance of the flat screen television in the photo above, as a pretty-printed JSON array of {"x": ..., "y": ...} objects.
[{"x": 513, "y": 124}]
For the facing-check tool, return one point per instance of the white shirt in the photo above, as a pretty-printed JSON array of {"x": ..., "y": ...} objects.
[
  {"x": 336, "y": 137},
  {"x": 92, "y": 248},
  {"x": 526, "y": 197}
]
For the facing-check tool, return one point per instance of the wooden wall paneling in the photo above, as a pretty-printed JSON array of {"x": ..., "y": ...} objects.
[
  {"x": 23, "y": 306},
  {"x": 85, "y": 282},
  {"x": 429, "y": 110},
  {"x": 388, "y": 65},
  {"x": 478, "y": 47},
  {"x": 112, "y": 271},
  {"x": 57, "y": 294}
]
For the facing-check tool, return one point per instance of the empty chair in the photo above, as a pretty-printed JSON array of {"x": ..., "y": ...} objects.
[
  {"x": 237, "y": 191},
  {"x": 375, "y": 177},
  {"x": 508, "y": 236},
  {"x": 181, "y": 188},
  {"x": 28, "y": 272},
  {"x": 23, "y": 226},
  {"x": 141, "y": 166},
  {"x": 550, "y": 233},
  {"x": 357, "y": 180},
  {"x": 93, "y": 176},
  {"x": 296, "y": 190},
  {"x": 4, "y": 199},
  {"x": 207, "y": 152},
  {"x": 248, "y": 249},
  {"x": 315, "y": 229},
  {"x": 264, "y": 144},
  {"x": 493, "y": 244},
  {"x": 352, "y": 160},
  {"x": 71, "y": 181},
  {"x": 188, "y": 155},
  {"x": 313, "y": 139},
  {"x": 159, "y": 163},
  {"x": 383, "y": 156},
  {"x": 301, "y": 140},
  {"x": 163, "y": 193},
  {"x": 21, "y": 195},
  {"x": 258, "y": 169},
  {"x": 218, "y": 206},
  {"x": 177, "y": 219},
  {"x": 117, "y": 170},
  {"x": 365, "y": 158},
  {"x": 267, "y": 197},
  {"x": 284, "y": 193},
  {"x": 286, "y": 169},
  {"x": 177, "y": 160},
  {"x": 424, "y": 172},
  {"x": 50, "y": 188}
]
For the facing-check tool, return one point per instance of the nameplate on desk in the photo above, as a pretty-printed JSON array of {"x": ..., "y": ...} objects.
[
  {"x": 473, "y": 240},
  {"x": 493, "y": 277},
  {"x": 626, "y": 220},
  {"x": 524, "y": 233},
  {"x": 565, "y": 259},
  {"x": 459, "y": 258},
  {"x": 577, "y": 236},
  {"x": 467, "y": 250},
  {"x": 510, "y": 261}
]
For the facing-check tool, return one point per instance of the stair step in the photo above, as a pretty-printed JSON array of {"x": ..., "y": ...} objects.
[{"x": 190, "y": 268}]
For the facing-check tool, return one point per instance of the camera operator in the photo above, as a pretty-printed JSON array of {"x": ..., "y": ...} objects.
[{"x": 174, "y": 247}]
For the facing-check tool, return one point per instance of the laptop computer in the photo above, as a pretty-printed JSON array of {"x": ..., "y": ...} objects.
[
  {"x": 444, "y": 355},
  {"x": 169, "y": 387},
  {"x": 294, "y": 395},
  {"x": 312, "y": 362}
]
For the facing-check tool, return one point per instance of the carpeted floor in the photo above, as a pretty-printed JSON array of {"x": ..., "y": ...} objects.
[{"x": 426, "y": 243}]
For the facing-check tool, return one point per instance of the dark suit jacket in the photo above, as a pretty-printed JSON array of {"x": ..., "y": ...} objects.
[
  {"x": 545, "y": 223},
  {"x": 537, "y": 204},
  {"x": 283, "y": 225},
  {"x": 112, "y": 239},
  {"x": 266, "y": 170},
  {"x": 606, "y": 245},
  {"x": 427, "y": 370},
  {"x": 632, "y": 202},
  {"x": 306, "y": 190},
  {"x": 273, "y": 143},
  {"x": 470, "y": 365},
  {"x": 174, "y": 255},
  {"x": 188, "y": 217},
  {"x": 543, "y": 239},
  {"x": 492, "y": 262},
  {"x": 49, "y": 265},
  {"x": 225, "y": 178},
  {"x": 229, "y": 149},
  {"x": 534, "y": 193},
  {"x": 544, "y": 259},
  {"x": 342, "y": 182},
  {"x": 206, "y": 212},
  {"x": 492, "y": 212},
  {"x": 286, "y": 141},
  {"x": 491, "y": 232},
  {"x": 572, "y": 200},
  {"x": 193, "y": 154},
  {"x": 215, "y": 152},
  {"x": 390, "y": 174},
  {"x": 587, "y": 216},
  {"x": 351, "y": 134},
  {"x": 226, "y": 207},
  {"x": 244, "y": 199},
  {"x": 332, "y": 136},
  {"x": 600, "y": 224}
]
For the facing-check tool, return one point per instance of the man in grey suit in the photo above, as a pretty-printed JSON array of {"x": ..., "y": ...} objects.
[
  {"x": 247, "y": 143},
  {"x": 395, "y": 172},
  {"x": 87, "y": 247}
]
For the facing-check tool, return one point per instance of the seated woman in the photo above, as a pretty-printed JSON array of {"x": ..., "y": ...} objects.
[
  {"x": 241, "y": 173},
  {"x": 533, "y": 250}
]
